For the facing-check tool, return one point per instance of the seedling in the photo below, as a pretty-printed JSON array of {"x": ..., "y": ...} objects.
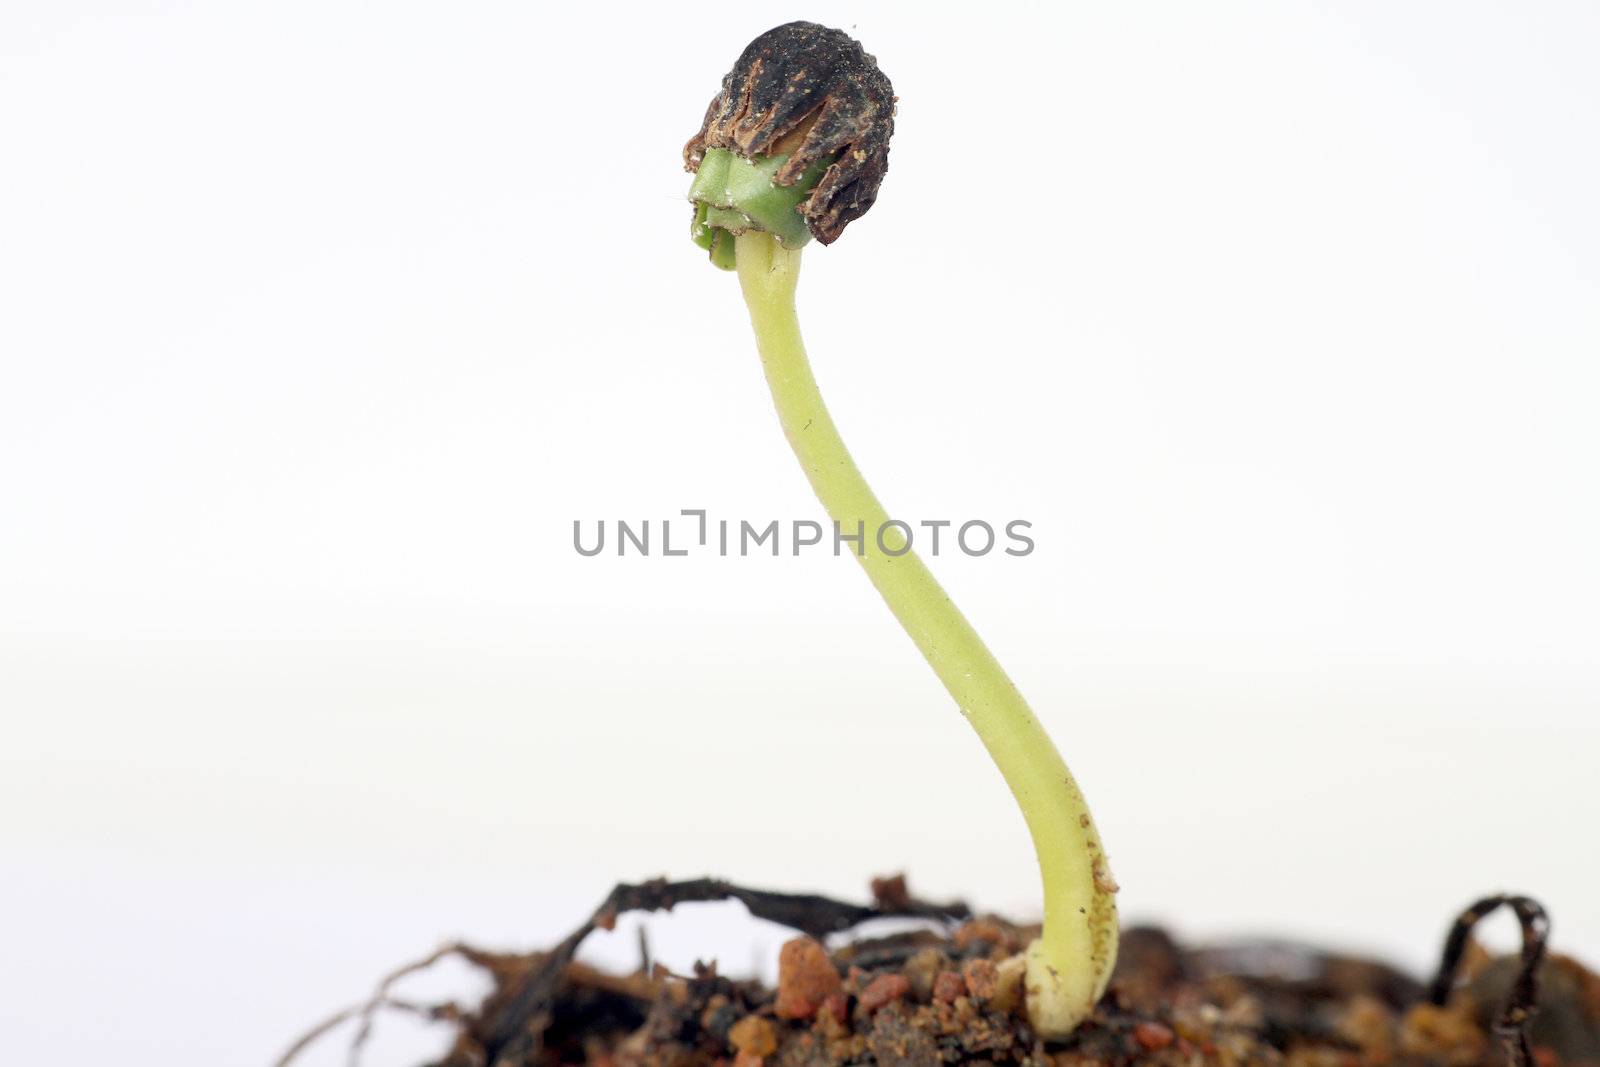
[{"x": 795, "y": 147}]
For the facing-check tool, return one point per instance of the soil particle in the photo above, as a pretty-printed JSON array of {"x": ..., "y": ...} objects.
[
  {"x": 806, "y": 1050},
  {"x": 883, "y": 989},
  {"x": 922, "y": 971},
  {"x": 1448, "y": 1035},
  {"x": 806, "y": 977},
  {"x": 1369, "y": 1026},
  {"x": 754, "y": 1036},
  {"x": 948, "y": 986},
  {"x": 896, "y": 1042},
  {"x": 1153, "y": 1037},
  {"x": 1008, "y": 992},
  {"x": 982, "y": 979},
  {"x": 986, "y": 935}
]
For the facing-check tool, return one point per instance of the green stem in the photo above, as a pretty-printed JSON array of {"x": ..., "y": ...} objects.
[{"x": 1069, "y": 965}]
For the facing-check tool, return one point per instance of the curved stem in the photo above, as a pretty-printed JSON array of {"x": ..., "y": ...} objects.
[{"x": 1069, "y": 965}]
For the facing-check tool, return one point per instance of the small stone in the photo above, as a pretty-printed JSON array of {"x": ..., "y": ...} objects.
[
  {"x": 836, "y": 1007},
  {"x": 746, "y": 1059},
  {"x": 921, "y": 970},
  {"x": 948, "y": 986},
  {"x": 1007, "y": 997},
  {"x": 982, "y": 979},
  {"x": 806, "y": 977},
  {"x": 1152, "y": 1037},
  {"x": 882, "y": 989},
  {"x": 753, "y": 1035},
  {"x": 975, "y": 931}
]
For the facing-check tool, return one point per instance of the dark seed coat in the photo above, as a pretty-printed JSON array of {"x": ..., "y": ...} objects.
[{"x": 813, "y": 92}]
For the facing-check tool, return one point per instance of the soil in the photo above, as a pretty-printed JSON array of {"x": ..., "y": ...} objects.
[{"x": 948, "y": 995}]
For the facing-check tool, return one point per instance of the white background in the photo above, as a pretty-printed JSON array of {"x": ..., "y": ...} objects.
[{"x": 321, "y": 322}]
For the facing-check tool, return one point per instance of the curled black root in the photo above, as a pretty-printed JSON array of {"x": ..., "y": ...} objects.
[{"x": 1516, "y": 1019}]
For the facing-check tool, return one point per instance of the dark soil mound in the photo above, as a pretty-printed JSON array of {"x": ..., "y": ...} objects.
[{"x": 950, "y": 997}]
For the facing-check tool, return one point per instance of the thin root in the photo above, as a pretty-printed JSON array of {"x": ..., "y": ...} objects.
[
  {"x": 381, "y": 1000},
  {"x": 1522, "y": 1003}
]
